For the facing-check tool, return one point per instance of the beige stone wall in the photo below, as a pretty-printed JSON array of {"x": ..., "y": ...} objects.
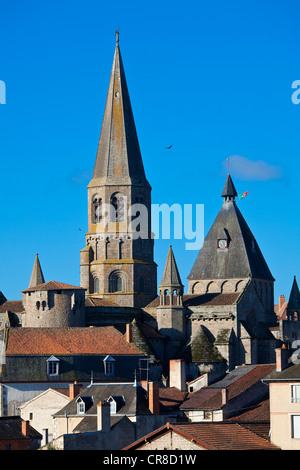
[
  {"x": 40, "y": 409},
  {"x": 63, "y": 308},
  {"x": 281, "y": 410},
  {"x": 170, "y": 441}
]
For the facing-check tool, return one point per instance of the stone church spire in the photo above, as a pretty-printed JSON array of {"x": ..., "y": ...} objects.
[
  {"x": 118, "y": 158},
  {"x": 171, "y": 277},
  {"x": 230, "y": 256},
  {"x": 117, "y": 263},
  {"x": 37, "y": 276}
]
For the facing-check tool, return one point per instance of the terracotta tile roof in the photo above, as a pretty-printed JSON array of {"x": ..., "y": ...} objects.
[
  {"x": 171, "y": 397},
  {"x": 204, "y": 299},
  {"x": 14, "y": 306},
  {"x": 68, "y": 341},
  {"x": 97, "y": 302},
  {"x": 52, "y": 285},
  {"x": 258, "y": 412},
  {"x": 212, "y": 436},
  {"x": 211, "y": 397}
]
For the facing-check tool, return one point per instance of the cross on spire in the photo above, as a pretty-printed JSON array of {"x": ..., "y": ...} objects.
[{"x": 228, "y": 164}]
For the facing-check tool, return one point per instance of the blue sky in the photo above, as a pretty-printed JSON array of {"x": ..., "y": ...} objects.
[{"x": 211, "y": 78}]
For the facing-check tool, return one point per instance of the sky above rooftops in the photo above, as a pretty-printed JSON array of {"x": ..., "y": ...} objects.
[{"x": 214, "y": 80}]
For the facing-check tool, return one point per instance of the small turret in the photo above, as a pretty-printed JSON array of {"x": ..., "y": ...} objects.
[
  {"x": 170, "y": 313},
  {"x": 37, "y": 276}
]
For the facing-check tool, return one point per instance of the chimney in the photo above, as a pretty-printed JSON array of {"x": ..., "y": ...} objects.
[
  {"x": 129, "y": 332},
  {"x": 74, "y": 390},
  {"x": 282, "y": 355},
  {"x": 25, "y": 428},
  {"x": 281, "y": 301},
  {"x": 153, "y": 393},
  {"x": 224, "y": 396},
  {"x": 177, "y": 374},
  {"x": 103, "y": 416}
]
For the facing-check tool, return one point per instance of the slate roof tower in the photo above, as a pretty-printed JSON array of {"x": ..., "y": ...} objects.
[
  {"x": 117, "y": 262},
  {"x": 37, "y": 276},
  {"x": 230, "y": 257}
]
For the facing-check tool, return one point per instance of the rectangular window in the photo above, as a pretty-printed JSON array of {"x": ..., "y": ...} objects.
[
  {"x": 109, "y": 368},
  {"x": 295, "y": 393},
  {"x": 81, "y": 407},
  {"x": 52, "y": 368},
  {"x": 295, "y": 426}
]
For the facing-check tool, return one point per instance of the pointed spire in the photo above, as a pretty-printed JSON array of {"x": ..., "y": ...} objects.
[
  {"x": 37, "y": 276},
  {"x": 229, "y": 191},
  {"x": 118, "y": 155},
  {"x": 171, "y": 277},
  {"x": 294, "y": 299}
]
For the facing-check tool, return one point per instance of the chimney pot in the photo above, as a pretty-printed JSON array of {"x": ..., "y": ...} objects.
[
  {"x": 103, "y": 416},
  {"x": 153, "y": 394},
  {"x": 281, "y": 301},
  {"x": 224, "y": 396},
  {"x": 177, "y": 374},
  {"x": 129, "y": 332},
  {"x": 74, "y": 390},
  {"x": 282, "y": 355},
  {"x": 25, "y": 428}
]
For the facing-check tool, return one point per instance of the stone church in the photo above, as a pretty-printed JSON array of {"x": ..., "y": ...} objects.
[{"x": 225, "y": 319}]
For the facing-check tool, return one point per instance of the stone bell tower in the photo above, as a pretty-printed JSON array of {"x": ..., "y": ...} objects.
[
  {"x": 171, "y": 311},
  {"x": 117, "y": 263}
]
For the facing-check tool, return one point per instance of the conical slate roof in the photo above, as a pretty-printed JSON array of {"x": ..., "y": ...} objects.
[
  {"x": 229, "y": 188},
  {"x": 118, "y": 157},
  {"x": 171, "y": 276},
  {"x": 243, "y": 257},
  {"x": 37, "y": 276},
  {"x": 294, "y": 299}
]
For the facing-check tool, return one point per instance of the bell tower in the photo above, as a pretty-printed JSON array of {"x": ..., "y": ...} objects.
[{"x": 117, "y": 263}]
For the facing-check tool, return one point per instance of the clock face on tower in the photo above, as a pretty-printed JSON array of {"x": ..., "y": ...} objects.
[{"x": 222, "y": 244}]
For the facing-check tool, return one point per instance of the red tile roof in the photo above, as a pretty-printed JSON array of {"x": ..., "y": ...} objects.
[
  {"x": 52, "y": 285},
  {"x": 68, "y": 341},
  {"x": 212, "y": 436},
  {"x": 14, "y": 306},
  {"x": 204, "y": 299},
  {"x": 211, "y": 397},
  {"x": 171, "y": 397}
]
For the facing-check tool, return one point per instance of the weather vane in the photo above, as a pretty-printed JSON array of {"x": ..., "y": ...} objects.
[
  {"x": 228, "y": 164},
  {"x": 117, "y": 35}
]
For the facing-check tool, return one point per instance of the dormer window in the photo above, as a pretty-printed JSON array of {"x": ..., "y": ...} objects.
[
  {"x": 109, "y": 366},
  {"x": 116, "y": 403},
  {"x": 52, "y": 366},
  {"x": 84, "y": 403}
]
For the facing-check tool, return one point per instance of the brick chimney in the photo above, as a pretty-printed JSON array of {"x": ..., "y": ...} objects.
[
  {"x": 129, "y": 332},
  {"x": 103, "y": 416},
  {"x": 224, "y": 396},
  {"x": 282, "y": 355},
  {"x": 25, "y": 428},
  {"x": 74, "y": 390},
  {"x": 177, "y": 374},
  {"x": 153, "y": 393},
  {"x": 281, "y": 301}
]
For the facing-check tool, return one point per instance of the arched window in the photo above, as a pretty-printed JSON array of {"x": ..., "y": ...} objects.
[
  {"x": 38, "y": 304},
  {"x": 118, "y": 283},
  {"x": 97, "y": 210},
  {"x": 96, "y": 285},
  {"x": 118, "y": 207}
]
